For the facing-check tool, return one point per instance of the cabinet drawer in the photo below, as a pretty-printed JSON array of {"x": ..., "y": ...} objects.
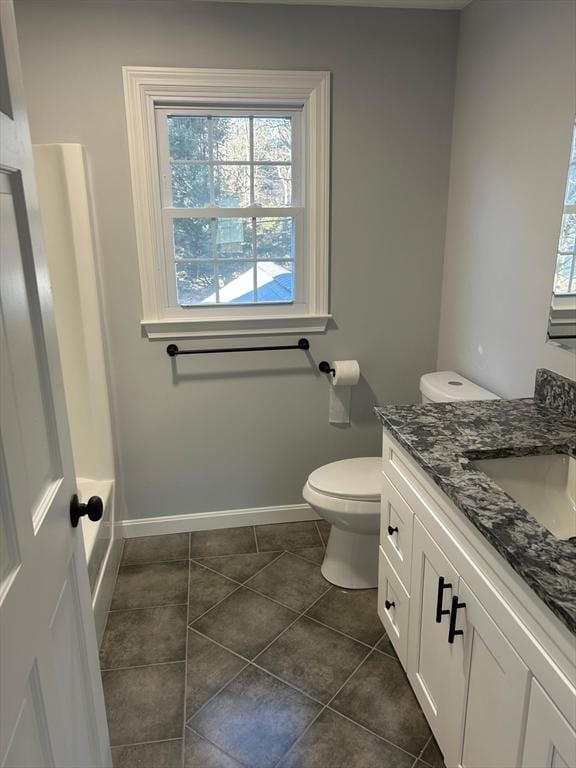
[
  {"x": 395, "y": 617},
  {"x": 396, "y": 523}
]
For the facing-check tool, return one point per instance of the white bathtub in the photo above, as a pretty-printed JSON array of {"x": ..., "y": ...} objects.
[
  {"x": 100, "y": 546},
  {"x": 69, "y": 238}
]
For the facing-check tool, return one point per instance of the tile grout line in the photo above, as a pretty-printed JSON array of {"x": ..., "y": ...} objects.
[
  {"x": 236, "y": 554},
  {"x": 211, "y": 698},
  {"x": 143, "y": 666},
  {"x": 240, "y": 583},
  {"x": 201, "y": 616},
  {"x": 183, "y": 745},
  {"x": 319, "y": 532},
  {"x": 255, "y": 539},
  {"x": 373, "y": 733},
  {"x": 248, "y": 663},
  {"x": 344, "y": 634},
  {"x": 147, "y": 607},
  {"x": 136, "y": 563},
  {"x": 295, "y": 552},
  {"x": 235, "y": 759},
  {"x": 325, "y": 706},
  {"x": 290, "y": 685},
  {"x": 255, "y": 591},
  {"x": 328, "y": 706},
  {"x": 234, "y": 653},
  {"x": 299, "y": 616},
  {"x": 382, "y": 738},
  {"x": 140, "y": 743},
  {"x": 420, "y": 758}
]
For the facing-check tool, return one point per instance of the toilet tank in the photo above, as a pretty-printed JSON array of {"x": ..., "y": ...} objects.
[{"x": 448, "y": 386}]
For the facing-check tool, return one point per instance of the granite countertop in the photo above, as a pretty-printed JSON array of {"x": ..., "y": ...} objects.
[{"x": 444, "y": 437}]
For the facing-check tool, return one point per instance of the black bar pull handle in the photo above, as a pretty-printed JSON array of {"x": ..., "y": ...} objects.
[
  {"x": 452, "y": 631},
  {"x": 442, "y": 585}
]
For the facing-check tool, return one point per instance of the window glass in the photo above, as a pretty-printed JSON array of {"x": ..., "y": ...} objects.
[
  {"x": 565, "y": 276},
  {"x": 220, "y": 161}
]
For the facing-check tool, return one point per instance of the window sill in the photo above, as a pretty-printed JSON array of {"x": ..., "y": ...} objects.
[{"x": 247, "y": 326}]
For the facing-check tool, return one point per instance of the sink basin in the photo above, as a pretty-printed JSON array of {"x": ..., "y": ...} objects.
[{"x": 544, "y": 485}]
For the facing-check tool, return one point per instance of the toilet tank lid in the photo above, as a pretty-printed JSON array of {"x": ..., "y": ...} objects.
[
  {"x": 448, "y": 386},
  {"x": 349, "y": 479}
]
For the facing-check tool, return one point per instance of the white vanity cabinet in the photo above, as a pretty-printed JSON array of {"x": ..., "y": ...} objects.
[{"x": 494, "y": 679}]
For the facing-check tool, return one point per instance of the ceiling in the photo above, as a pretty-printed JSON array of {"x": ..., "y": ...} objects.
[{"x": 443, "y": 5}]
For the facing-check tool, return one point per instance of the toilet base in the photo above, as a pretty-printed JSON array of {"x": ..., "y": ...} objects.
[{"x": 351, "y": 559}]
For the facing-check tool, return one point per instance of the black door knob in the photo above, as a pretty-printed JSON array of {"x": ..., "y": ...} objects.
[
  {"x": 388, "y": 604},
  {"x": 94, "y": 508},
  {"x": 392, "y": 530}
]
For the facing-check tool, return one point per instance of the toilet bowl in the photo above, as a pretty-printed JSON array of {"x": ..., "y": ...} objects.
[{"x": 347, "y": 495}]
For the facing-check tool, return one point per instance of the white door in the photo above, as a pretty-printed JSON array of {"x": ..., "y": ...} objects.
[
  {"x": 496, "y": 689},
  {"x": 51, "y": 701},
  {"x": 432, "y": 660},
  {"x": 550, "y": 739}
]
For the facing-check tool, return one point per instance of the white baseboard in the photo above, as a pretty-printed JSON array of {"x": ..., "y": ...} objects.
[{"x": 206, "y": 521}]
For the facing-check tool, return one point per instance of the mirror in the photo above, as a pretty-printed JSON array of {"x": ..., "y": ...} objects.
[{"x": 562, "y": 318}]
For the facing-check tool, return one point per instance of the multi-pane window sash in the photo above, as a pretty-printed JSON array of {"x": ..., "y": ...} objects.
[
  {"x": 232, "y": 205},
  {"x": 565, "y": 278}
]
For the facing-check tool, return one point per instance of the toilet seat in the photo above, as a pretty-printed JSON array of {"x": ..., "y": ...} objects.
[{"x": 351, "y": 479}]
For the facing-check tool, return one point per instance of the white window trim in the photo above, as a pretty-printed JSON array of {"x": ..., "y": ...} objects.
[{"x": 147, "y": 87}]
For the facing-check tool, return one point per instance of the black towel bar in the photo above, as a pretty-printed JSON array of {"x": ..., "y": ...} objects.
[{"x": 172, "y": 349}]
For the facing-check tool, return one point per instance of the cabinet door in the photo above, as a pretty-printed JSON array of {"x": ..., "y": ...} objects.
[
  {"x": 431, "y": 661},
  {"x": 550, "y": 739},
  {"x": 496, "y": 683}
]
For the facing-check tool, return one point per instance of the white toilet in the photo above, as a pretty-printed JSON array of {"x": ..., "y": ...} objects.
[{"x": 347, "y": 495}]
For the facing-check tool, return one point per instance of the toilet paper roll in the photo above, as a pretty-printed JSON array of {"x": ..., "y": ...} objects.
[{"x": 346, "y": 375}]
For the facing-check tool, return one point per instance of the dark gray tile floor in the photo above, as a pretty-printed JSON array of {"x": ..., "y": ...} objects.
[{"x": 228, "y": 649}]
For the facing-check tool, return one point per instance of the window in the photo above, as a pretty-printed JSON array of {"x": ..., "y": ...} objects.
[
  {"x": 565, "y": 277},
  {"x": 230, "y": 185}
]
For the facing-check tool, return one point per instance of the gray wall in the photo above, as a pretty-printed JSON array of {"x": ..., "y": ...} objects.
[
  {"x": 514, "y": 107},
  {"x": 245, "y": 430}
]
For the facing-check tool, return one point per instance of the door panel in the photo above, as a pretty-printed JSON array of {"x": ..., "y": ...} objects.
[
  {"x": 433, "y": 663},
  {"x": 550, "y": 739},
  {"x": 51, "y": 701},
  {"x": 26, "y": 354},
  {"x": 67, "y": 652},
  {"x": 30, "y": 744},
  {"x": 496, "y": 690}
]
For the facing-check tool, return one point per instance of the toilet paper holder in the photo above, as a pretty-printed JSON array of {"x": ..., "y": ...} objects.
[{"x": 325, "y": 367}]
